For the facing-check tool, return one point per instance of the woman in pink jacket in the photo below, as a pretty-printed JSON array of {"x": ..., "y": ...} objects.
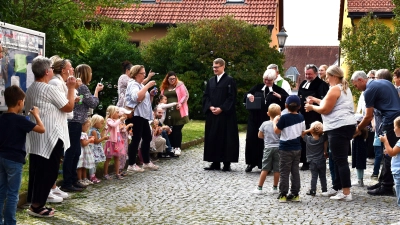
[{"x": 177, "y": 116}]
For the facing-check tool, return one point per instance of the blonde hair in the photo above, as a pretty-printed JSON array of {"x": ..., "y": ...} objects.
[
  {"x": 274, "y": 110},
  {"x": 219, "y": 61},
  {"x": 397, "y": 121},
  {"x": 134, "y": 71},
  {"x": 317, "y": 128},
  {"x": 111, "y": 109},
  {"x": 59, "y": 64},
  {"x": 338, "y": 72},
  {"x": 95, "y": 119}
]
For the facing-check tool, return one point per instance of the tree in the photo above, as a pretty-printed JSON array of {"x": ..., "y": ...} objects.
[
  {"x": 189, "y": 50},
  {"x": 108, "y": 47},
  {"x": 370, "y": 45},
  {"x": 59, "y": 19}
]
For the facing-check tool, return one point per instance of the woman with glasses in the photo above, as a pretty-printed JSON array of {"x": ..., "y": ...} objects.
[
  {"x": 266, "y": 93},
  {"x": 176, "y": 117},
  {"x": 139, "y": 99}
]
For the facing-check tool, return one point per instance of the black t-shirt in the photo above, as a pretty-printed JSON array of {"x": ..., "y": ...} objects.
[{"x": 13, "y": 130}]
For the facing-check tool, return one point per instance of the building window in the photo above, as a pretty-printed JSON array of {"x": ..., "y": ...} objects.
[
  {"x": 234, "y": 1},
  {"x": 136, "y": 43}
]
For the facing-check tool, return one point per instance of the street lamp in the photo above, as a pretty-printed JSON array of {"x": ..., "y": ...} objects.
[{"x": 281, "y": 38}]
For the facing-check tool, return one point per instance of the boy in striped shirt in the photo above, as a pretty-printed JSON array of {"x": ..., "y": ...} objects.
[{"x": 290, "y": 126}]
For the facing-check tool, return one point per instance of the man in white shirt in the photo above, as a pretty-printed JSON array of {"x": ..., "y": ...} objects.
[{"x": 279, "y": 80}]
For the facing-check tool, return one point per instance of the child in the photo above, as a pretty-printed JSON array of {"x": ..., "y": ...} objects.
[
  {"x": 86, "y": 159},
  {"x": 162, "y": 104},
  {"x": 359, "y": 153},
  {"x": 97, "y": 123},
  {"x": 158, "y": 143},
  {"x": 271, "y": 149},
  {"x": 115, "y": 144},
  {"x": 290, "y": 126},
  {"x": 13, "y": 132},
  {"x": 316, "y": 146},
  {"x": 395, "y": 154},
  {"x": 124, "y": 131}
]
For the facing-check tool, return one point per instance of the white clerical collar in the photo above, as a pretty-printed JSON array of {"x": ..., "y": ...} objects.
[{"x": 219, "y": 76}]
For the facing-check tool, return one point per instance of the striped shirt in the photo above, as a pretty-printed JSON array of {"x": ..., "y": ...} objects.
[
  {"x": 144, "y": 109},
  {"x": 49, "y": 100},
  {"x": 291, "y": 126},
  {"x": 60, "y": 83}
]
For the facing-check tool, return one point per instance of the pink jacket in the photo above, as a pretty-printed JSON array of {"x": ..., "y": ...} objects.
[
  {"x": 112, "y": 129},
  {"x": 183, "y": 96}
]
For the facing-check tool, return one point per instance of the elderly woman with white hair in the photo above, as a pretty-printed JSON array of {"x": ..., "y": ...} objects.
[{"x": 257, "y": 100}]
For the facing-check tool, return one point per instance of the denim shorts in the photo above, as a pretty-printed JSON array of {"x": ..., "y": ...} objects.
[{"x": 270, "y": 159}]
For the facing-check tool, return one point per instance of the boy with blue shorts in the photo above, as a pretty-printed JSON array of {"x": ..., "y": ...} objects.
[
  {"x": 270, "y": 160},
  {"x": 14, "y": 128},
  {"x": 290, "y": 126}
]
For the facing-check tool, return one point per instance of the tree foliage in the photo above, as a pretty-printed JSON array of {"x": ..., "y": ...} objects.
[
  {"x": 189, "y": 50},
  {"x": 59, "y": 19},
  {"x": 370, "y": 45},
  {"x": 108, "y": 47}
]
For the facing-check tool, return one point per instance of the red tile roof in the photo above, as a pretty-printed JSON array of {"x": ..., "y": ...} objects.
[
  {"x": 300, "y": 56},
  {"x": 370, "y": 6},
  {"x": 257, "y": 12}
]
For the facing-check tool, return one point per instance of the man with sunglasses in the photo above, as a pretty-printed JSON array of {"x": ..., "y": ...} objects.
[{"x": 311, "y": 86}]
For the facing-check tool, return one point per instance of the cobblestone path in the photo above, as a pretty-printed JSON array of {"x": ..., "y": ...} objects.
[{"x": 181, "y": 192}]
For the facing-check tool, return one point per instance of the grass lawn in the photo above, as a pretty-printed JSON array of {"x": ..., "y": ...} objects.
[{"x": 191, "y": 131}]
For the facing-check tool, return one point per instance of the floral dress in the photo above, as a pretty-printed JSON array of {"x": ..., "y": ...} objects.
[
  {"x": 97, "y": 149},
  {"x": 86, "y": 160},
  {"x": 123, "y": 157}
]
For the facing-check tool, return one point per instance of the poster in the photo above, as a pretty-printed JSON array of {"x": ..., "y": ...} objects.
[{"x": 19, "y": 46}]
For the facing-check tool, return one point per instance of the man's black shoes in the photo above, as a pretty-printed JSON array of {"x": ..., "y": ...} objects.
[{"x": 213, "y": 166}]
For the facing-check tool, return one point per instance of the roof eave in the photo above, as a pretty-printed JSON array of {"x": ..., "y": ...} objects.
[{"x": 382, "y": 15}]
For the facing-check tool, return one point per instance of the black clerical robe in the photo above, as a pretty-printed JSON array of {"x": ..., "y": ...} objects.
[
  {"x": 221, "y": 142},
  {"x": 254, "y": 145}
]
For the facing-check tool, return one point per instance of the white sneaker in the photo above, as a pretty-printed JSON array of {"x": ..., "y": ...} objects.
[
  {"x": 274, "y": 190},
  {"x": 342, "y": 197},
  {"x": 178, "y": 151},
  {"x": 54, "y": 198},
  {"x": 330, "y": 192},
  {"x": 87, "y": 181},
  {"x": 150, "y": 166},
  {"x": 134, "y": 168},
  {"x": 257, "y": 191},
  {"x": 83, "y": 183},
  {"x": 57, "y": 191}
]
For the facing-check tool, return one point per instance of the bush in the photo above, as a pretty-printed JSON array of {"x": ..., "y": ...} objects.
[{"x": 189, "y": 50}]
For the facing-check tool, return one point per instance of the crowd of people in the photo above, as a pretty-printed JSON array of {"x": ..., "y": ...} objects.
[
  {"x": 319, "y": 123},
  {"x": 283, "y": 130},
  {"x": 58, "y": 109}
]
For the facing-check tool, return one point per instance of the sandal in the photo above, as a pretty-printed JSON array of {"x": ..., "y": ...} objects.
[
  {"x": 107, "y": 177},
  {"x": 119, "y": 177},
  {"x": 124, "y": 173},
  {"x": 40, "y": 212}
]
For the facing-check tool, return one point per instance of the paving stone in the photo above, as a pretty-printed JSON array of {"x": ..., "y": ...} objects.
[{"x": 181, "y": 192}]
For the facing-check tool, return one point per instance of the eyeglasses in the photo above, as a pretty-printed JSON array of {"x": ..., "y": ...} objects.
[
  {"x": 311, "y": 66},
  {"x": 142, "y": 73},
  {"x": 371, "y": 77},
  {"x": 171, "y": 78}
]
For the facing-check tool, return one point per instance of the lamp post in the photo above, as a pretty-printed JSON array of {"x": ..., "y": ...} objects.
[{"x": 281, "y": 39}]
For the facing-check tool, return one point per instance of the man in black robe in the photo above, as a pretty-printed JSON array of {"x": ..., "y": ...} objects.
[
  {"x": 311, "y": 86},
  {"x": 221, "y": 142}
]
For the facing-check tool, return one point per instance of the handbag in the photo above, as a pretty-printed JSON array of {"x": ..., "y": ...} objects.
[{"x": 131, "y": 109}]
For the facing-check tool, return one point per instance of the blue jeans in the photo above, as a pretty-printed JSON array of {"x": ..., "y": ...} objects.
[
  {"x": 396, "y": 178},
  {"x": 10, "y": 181},
  {"x": 378, "y": 158},
  {"x": 72, "y": 154},
  {"x": 164, "y": 134}
]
